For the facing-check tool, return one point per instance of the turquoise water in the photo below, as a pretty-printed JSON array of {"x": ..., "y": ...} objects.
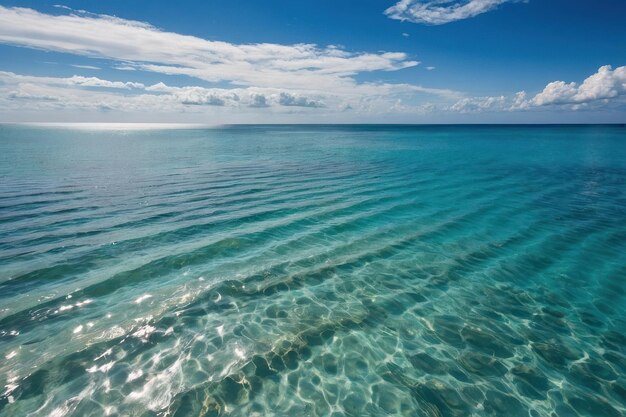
[{"x": 313, "y": 271}]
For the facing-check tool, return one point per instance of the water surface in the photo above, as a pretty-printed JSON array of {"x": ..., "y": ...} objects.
[{"x": 313, "y": 271}]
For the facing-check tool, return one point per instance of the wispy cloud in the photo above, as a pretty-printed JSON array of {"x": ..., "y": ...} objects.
[
  {"x": 263, "y": 64},
  {"x": 23, "y": 95},
  {"x": 89, "y": 67},
  {"x": 75, "y": 80},
  {"x": 439, "y": 12},
  {"x": 263, "y": 76},
  {"x": 480, "y": 104}
]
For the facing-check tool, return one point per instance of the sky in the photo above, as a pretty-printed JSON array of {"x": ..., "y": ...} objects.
[{"x": 340, "y": 61}]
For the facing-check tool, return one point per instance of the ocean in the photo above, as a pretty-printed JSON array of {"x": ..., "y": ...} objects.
[{"x": 313, "y": 271}]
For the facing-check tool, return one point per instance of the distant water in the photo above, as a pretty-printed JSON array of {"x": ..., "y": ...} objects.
[{"x": 313, "y": 271}]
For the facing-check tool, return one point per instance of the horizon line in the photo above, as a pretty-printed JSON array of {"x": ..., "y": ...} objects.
[{"x": 191, "y": 126}]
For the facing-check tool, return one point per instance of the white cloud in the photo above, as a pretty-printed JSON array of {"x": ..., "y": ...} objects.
[
  {"x": 439, "y": 12},
  {"x": 604, "y": 84},
  {"x": 75, "y": 80},
  {"x": 259, "y": 77},
  {"x": 264, "y": 64},
  {"x": 57, "y": 98},
  {"x": 519, "y": 101},
  {"x": 90, "y": 67},
  {"x": 24, "y": 95},
  {"x": 259, "y": 101},
  {"x": 479, "y": 104},
  {"x": 287, "y": 99},
  {"x": 606, "y": 87},
  {"x": 198, "y": 95},
  {"x": 556, "y": 92},
  {"x": 97, "y": 82},
  {"x": 204, "y": 100},
  {"x": 71, "y": 93}
]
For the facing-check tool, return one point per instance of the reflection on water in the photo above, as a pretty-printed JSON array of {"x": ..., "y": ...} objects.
[{"x": 313, "y": 271}]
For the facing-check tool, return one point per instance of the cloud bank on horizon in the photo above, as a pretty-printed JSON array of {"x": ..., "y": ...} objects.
[{"x": 247, "y": 80}]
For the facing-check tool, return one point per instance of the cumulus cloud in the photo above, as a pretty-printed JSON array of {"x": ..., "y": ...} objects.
[
  {"x": 259, "y": 101},
  {"x": 287, "y": 99},
  {"x": 97, "y": 82},
  {"x": 71, "y": 93},
  {"x": 519, "y": 101},
  {"x": 605, "y": 84},
  {"x": 201, "y": 97},
  {"x": 196, "y": 96},
  {"x": 36, "y": 96},
  {"x": 235, "y": 97},
  {"x": 18, "y": 92},
  {"x": 204, "y": 100},
  {"x": 606, "y": 87},
  {"x": 439, "y": 12}
]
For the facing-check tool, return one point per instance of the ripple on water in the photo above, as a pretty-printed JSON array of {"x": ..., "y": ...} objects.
[{"x": 335, "y": 271}]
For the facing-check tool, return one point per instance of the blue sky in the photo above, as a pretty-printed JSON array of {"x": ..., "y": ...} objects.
[{"x": 398, "y": 61}]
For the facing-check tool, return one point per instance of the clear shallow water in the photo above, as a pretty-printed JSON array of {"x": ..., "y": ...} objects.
[{"x": 305, "y": 271}]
